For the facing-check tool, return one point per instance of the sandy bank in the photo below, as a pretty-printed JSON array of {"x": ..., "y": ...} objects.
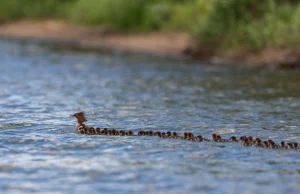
[
  {"x": 161, "y": 43},
  {"x": 93, "y": 37}
]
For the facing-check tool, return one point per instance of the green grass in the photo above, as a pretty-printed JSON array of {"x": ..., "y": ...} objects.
[
  {"x": 19, "y": 9},
  {"x": 236, "y": 24},
  {"x": 219, "y": 25}
]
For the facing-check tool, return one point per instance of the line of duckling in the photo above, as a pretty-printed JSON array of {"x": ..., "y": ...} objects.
[{"x": 243, "y": 140}]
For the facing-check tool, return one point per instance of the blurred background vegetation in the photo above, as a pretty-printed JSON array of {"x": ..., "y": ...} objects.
[{"x": 218, "y": 24}]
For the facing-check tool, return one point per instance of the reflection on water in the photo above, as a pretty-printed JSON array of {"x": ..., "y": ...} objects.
[{"x": 41, "y": 88}]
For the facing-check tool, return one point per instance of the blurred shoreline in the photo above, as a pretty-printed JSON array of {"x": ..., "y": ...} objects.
[{"x": 172, "y": 44}]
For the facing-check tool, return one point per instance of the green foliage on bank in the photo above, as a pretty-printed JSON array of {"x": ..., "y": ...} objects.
[
  {"x": 252, "y": 24},
  {"x": 218, "y": 24}
]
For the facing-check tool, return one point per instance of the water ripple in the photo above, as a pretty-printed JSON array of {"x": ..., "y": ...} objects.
[{"x": 41, "y": 88}]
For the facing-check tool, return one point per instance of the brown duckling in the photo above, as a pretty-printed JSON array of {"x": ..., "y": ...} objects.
[
  {"x": 266, "y": 144},
  {"x": 220, "y": 139},
  {"x": 272, "y": 144},
  {"x": 93, "y": 130},
  {"x": 81, "y": 130},
  {"x": 283, "y": 145},
  {"x": 150, "y": 133},
  {"x": 90, "y": 131},
  {"x": 169, "y": 134},
  {"x": 190, "y": 136},
  {"x": 185, "y": 135},
  {"x": 233, "y": 139},
  {"x": 163, "y": 135},
  {"x": 257, "y": 140},
  {"x": 242, "y": 139},
  {"x": 123, "y": 133},
  {"x": 158, "y": 133},
  {"x": 105, "y": 131},
  {"x": 296, "y": 145},
  {"x": 292, "y": 145},
  {"x": 246, "y": 142},
  {"x": 130, "y": 133},
  {"x": 258, "y": 143},
  {"x": 98, "y": 131},
  {"x": 250, "y": 139},
  {"x": 214, "y": 137},
  {"x": 200, "y": 138},
  {"x": 174, "y": 135},
  {"x": 140, "y": 133}
]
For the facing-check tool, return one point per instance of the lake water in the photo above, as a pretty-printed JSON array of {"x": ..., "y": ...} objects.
[{"x": 40, "y": 88}]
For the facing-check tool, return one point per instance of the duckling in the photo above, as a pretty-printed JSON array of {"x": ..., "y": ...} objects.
[
  {"x": 130, "y": 133},
  {"x": 292, "y": 145},
  {"x": 246, "y": 142},
  {"x": 81, "y": 130},
  {"x": 283, "y": 145},
  {"x": 113, "y": 132},
  {"x": 140, "y": 133},
  {"x": 190, "y": 136},
  {"x": 174, "y": 135},
  {"x": 169, "y": 134},
  {"x": 98, "y": 131},
  {"x": 219, "y": 139},
  {"x": 266, "y": 144},
  {"x": 250, "y": 139},
  {"x": 258, "y": 142},
  {"x": 296, "y": 145},
  {"x": 272, "y": 144},
  {"x": 185, "y": 135},
  {"x": 90, "y": 131},
  {"x": 214, "y": 137},
  {"x": 150, "y": 133},
  {"x": 158, "y": 133},
  {"x": 233, "y": 139},
  {"x": 105, "y": 131},
  {"x": 123, "y": 133},
  {"x": 93, "y": 131},
  {"x": 200, "y": 138}
]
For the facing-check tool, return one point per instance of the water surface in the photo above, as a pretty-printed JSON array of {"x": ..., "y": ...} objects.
[{"x": 40, "y": 88}]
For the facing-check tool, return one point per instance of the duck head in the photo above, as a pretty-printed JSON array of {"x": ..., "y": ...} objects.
[{"x": 80, "y": 117}]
